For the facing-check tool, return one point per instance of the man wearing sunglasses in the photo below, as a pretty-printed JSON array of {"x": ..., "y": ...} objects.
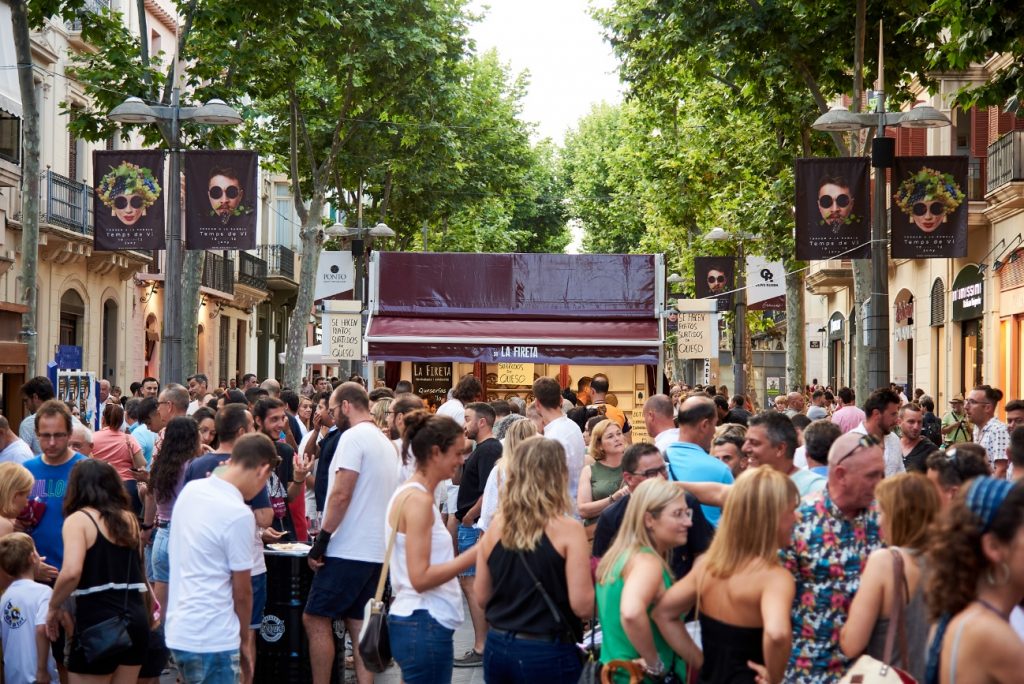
[
  {"x": 225, "y": 193},
  {"x": 835, "y": 530},
  {"x": 989, "y": 432},
  {"x": 640, "y": 463},
  {"x": 835, "y": 202},
  {"x": 716, "y": 281}
]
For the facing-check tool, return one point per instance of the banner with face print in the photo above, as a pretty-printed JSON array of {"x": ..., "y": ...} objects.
[
  {"x": 929, "y": 207},
  {"x": 128, "y": 200},
  {"x": 833, "y": 210},
  {"x": 221, "y": 194},
  {"x": 716, "y": 277}
]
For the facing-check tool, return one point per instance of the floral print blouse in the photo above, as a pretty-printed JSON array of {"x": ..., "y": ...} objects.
[{"x": 827, "y": 555}]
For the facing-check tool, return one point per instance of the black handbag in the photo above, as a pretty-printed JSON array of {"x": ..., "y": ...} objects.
[
  {"x": 374, "y": 640},
  {"x": 109, "y": 637},
  {"x": 591, "y": 673}
]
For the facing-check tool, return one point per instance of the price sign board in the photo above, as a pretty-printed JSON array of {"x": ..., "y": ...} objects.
[
  {"x": 343, "y": 332},
  {"x": 639, "y": 432},
  {"x": 515, "y": 374},
  {"x": 693, "y": 335}
]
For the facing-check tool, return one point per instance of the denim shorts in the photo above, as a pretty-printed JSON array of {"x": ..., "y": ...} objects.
[
  {"x": 259, "y": 599},
  {"x": 468, "y": 537},
  {"x": 423, "y": 648},
  {"x": 160, "y": 564},
  {"x": 341, "y": 588},
  {"x": 222, "y": 667}
]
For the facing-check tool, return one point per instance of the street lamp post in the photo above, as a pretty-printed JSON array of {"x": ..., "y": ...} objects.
[
  {"x": 358, "y": 234},
  {"x": 214, "y": 113},
  {"x": 739, "y": 346},
  {"x": 876, "y": 318}
]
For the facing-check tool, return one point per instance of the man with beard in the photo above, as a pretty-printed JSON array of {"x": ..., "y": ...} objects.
[
  {"x": 716, "y": 281},
  {"x": 913, "y": 444},
  {"x": 881, "y": 415},
  {"x": 835, "y": 202}
]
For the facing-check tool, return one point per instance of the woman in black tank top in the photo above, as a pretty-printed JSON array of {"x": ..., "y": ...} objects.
[
  {"x": 102, "y": 570},
  {"x": 742, "y": 592},
  {"x": 534, "y": 581}
]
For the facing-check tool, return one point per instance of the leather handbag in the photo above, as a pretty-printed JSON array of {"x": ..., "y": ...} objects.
[
  {"x": 869, "y": 670},
  {"x": 374, "y": 641},
  {"x": 591, "y": 673}
]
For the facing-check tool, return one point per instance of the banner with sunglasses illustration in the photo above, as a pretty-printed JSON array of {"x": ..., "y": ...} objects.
[
  {"x": 128, "y": 202},
  {"x": 716, "y": 277},
  {"x": 221, "y": 193},
  {"x": 833, "y": 208},
  {"x": 929, "y": 207}
]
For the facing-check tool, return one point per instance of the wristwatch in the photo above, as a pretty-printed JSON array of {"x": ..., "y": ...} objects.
[{"x": 655, "y": 670}]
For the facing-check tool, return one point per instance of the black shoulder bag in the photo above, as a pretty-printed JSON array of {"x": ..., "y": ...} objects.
[{"x": 109, "y": 637}]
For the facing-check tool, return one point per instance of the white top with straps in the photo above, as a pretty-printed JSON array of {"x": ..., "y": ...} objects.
[{"x": 444, "y": 603}]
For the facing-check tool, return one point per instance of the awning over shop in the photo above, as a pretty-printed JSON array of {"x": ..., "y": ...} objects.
[
  {"x": 509, "y": 339},
  {"x": 10, "y": 90}
]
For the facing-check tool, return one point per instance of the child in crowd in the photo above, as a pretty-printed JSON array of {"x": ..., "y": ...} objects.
[{"x": 24, "y": 605}]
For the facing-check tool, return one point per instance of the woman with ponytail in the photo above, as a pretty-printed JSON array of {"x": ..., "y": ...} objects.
[
  {"x": 427, "y": 607},
  {"x": 121, "y": 451},
  {"x": 977, "y": 578}
]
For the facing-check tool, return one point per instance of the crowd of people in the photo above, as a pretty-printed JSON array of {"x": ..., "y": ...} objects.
[{"x": 801, "y": 543}]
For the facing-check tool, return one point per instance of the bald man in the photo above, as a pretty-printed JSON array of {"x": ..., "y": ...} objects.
[{"x": 659, "y": 419}]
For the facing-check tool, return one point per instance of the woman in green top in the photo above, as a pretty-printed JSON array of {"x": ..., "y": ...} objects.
[
  {"x": 634, "y": 575},
  {"x": 601, "y": 479}
]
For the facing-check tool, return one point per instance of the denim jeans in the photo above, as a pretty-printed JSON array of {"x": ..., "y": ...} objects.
[
  {"x": 422, "y": 647},
  {"x": 511, "y": 661},
  {"x": 160, "y": 563},
  {"x": 208, "y": 668}
]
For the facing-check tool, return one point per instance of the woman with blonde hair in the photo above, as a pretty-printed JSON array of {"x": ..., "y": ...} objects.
[
  {"x": 601, "y": 479},
  {"x": 533, "y": 572},
  {"x": 379, "y": 411},
  {"x": 16, "y": 483},
  {"x": 742, "y": 592},
  {"x": 908, "y": 505},
  {"x": 514, "y": 434},
  {"x": 634, "y": 575}
]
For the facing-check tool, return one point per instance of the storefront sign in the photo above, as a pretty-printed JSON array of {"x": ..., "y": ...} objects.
[
  {"x": 516, "y": 374},
  {"x": 431, "y": 379},
  {"x": 693, "y": 339},
  {"x": 335, "y": 273},
  {"x": 968, "y": 294},
  {"x": 766, "y": 284},
  {"x": 343, "y": 332},
  {"x": 835, "y": 327}
]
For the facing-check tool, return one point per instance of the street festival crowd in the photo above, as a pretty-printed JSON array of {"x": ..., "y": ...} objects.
[{"x": 821, "y": 539}]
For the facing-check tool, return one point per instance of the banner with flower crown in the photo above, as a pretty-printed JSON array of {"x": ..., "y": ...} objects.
[
  {"x": 221, "y": 195},
  {"x": 128, "y": 200},
  {"x": 833, "y": 210},
  {"x": 929, "y": 207}
]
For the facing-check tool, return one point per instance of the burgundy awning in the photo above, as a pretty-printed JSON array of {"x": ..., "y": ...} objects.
[{"x": 610, "y": 342}]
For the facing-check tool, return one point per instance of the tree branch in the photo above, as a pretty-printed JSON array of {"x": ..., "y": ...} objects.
[
  {"x": 182, "y": 39},
  {"x": 819, "y": 99},
  {"x": 293, "y": 156}
]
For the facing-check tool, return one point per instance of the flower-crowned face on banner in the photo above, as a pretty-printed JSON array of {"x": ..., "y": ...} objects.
[
  {"x": 929, "y": 220},
  {"x": 128, "y": 208}
]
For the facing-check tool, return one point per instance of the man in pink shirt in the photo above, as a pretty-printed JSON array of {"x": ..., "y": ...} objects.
[{"x": 847, "y": 416}]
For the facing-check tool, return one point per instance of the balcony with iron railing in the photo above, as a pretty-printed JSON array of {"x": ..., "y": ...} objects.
[
  {"x": 1005, "y": 160},
  {"x": 65, "y": 203},
  {"x": 88, "y": 7},
  {"x": 252, "y": 271},
  {"x": 218, "y": 273},
  {"x": 280, "y": 266}
]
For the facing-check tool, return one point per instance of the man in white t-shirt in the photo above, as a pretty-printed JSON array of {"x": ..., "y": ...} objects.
[
  {"x": 548, "y": 402},
  {"x": 881, "y": 415},
  {"x": 211, "y": 556},
  {"x": 12, "y": 447},
  {"x": 349, "y": 551},
  {"x": 659, "y": 419}
]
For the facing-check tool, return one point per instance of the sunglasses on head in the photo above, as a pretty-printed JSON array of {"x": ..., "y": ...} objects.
[
  {"x": 935, "y": 208},
  {"x": 216, "y": 192},
  {"x": 865, "y": 442},
  {"x": 122, "y": 202},
  {"x": 841, "y": 201},
  {"x": 716, "y": 279}
]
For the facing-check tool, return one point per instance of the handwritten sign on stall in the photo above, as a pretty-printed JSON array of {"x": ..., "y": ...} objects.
[
  {"x": 515, "y": 374},
  {"x": 693, "y": 334},
  {"x": 343, "y": 332}
]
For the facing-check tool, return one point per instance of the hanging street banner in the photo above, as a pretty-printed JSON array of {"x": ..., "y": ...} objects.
[
  {"x": 128, "y": 202},
  {"x": 221, "y": 194},
  {"x": 335, "y": 274},
  {"x": 766, "y": 284},
  {"x": 693, "y": 338},
  {"x": 833, "y": 210},
  {"x": 716, "y": 277},
  {"x": 929, "y": 207}
]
